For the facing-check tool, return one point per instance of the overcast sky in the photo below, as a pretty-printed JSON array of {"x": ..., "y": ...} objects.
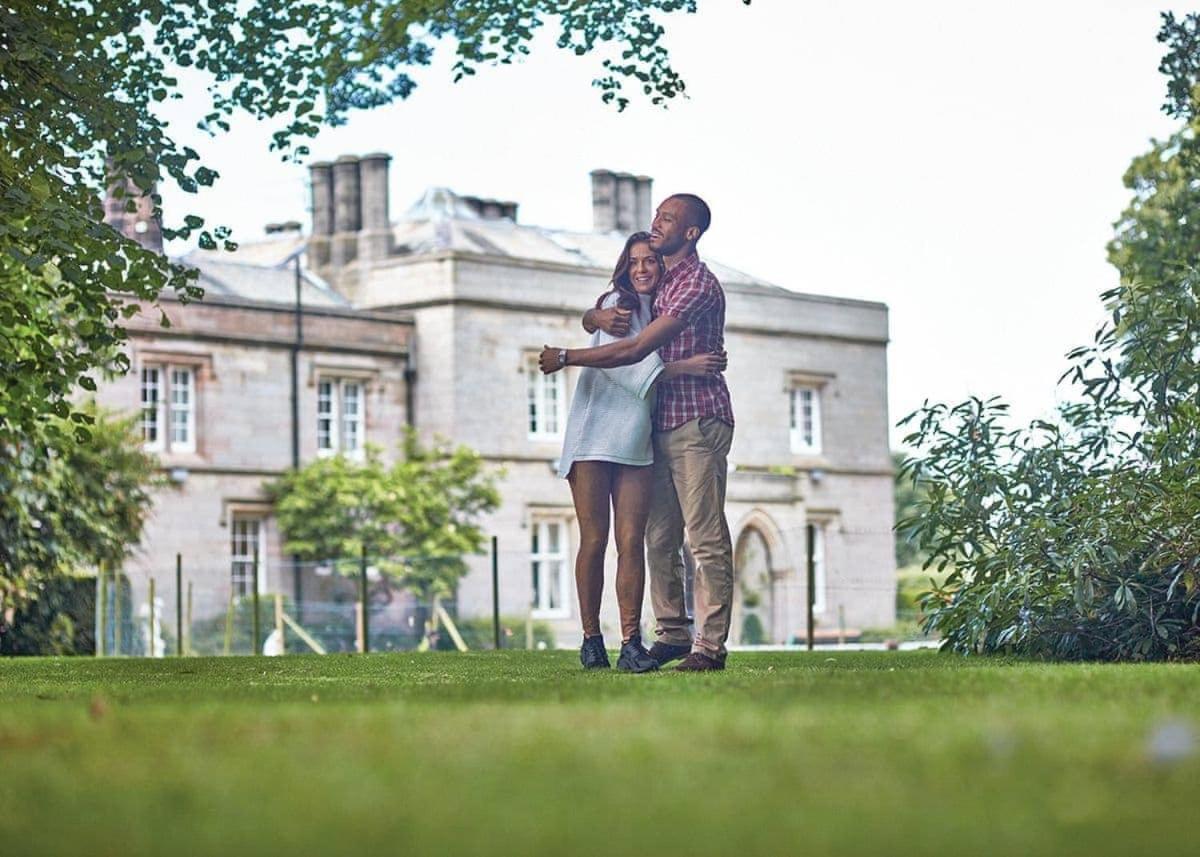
[{"x": 960, "y": 162}]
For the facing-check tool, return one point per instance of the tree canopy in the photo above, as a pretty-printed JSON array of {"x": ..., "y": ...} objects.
[
  {"x": 415, "y": 519},
  {"x": 79, "y": 85}
]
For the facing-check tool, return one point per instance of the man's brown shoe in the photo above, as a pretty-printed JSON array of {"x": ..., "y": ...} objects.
[{"x": 697, "y": 662}]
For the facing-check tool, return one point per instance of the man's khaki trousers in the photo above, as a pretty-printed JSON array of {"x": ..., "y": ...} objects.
[{"x": 690, "y": 472}]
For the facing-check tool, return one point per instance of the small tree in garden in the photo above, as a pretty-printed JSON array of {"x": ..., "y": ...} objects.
[
  {"x": 416, "y": 519},
  {"x": 1080, "y": 538},
  {"x": 69, "y": 501}
]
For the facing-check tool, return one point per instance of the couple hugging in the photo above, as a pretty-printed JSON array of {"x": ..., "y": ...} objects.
[{"x": 649, "y": 431}]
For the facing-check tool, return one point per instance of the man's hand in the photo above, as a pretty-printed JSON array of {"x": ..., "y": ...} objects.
[
  {"x": 548, "y": 362},
  {"x": 702, "y": 364},
  {"x": 613, "y": 321}
]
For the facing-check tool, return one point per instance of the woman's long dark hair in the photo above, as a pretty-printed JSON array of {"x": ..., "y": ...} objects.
[{"x": 627, "y": 296}]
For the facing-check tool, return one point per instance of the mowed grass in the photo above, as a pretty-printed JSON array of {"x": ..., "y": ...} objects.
[{"x": 523, "y": 753}]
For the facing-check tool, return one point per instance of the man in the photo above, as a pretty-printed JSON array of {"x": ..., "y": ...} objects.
[{"x": 693, "y": 428}]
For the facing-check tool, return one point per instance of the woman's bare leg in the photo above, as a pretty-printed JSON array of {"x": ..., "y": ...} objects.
[
  {"x": 591, "y": 486},
  {"x": 632, "y": 489}
]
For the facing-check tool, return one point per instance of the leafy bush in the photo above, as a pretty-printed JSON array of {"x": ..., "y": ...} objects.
[
  {"x": 1078, "y": 537},
  {"x": 753, "y": 633},
  {"x": 477, "y": 633},
  {"x": 59, "y": 620}
]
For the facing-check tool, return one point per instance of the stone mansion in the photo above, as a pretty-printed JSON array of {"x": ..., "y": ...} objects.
[{"x": 434, "y": 319}]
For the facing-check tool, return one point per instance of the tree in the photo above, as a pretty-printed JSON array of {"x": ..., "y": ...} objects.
[
  {"x": 79, "y": 82},
  {"x": 69, "y": 504},
  {"x": 1078, "y": 537},
  {"x": 415, "y": 519},
  {"x": 1158, "y": 234}
]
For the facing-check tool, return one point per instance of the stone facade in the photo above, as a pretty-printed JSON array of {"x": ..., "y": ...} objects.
[{"x": 439, "y": 317}]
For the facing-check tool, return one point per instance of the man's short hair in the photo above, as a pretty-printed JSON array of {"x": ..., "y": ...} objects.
[{"x": 701, "y": 213}]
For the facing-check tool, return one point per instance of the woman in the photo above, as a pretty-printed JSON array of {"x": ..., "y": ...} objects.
[{"x": 606, "y": 458}]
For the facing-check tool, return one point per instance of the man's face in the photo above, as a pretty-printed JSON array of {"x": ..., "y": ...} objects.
[{"x": 672, "y": 222}]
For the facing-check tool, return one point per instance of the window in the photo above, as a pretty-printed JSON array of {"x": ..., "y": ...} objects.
[
  {"x": 547, "y": 401},
  {"x": 168, "y": 398},
  {"x": 246, "y": 547},
  {"x": 340, "y": 415},
  {"x": 548, "y": 558},
  {"x": 806, "y": 420},
  {"x": 816, "y": 538}
]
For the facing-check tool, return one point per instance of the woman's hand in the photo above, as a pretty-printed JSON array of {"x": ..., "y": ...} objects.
[
  {"x": 549, "y": 361},
  {"x": 698, "y": 365}
]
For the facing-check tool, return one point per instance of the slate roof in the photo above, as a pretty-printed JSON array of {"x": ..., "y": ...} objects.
[
  {"x": 261, "y": 271},
  {"x": 439, "y": 221}
]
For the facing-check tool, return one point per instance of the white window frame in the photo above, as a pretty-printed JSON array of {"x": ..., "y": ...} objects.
[
  {"x": 540, "y": 556},
  {"x": 816, "y": 532},
  {"x": 802, "y": 445},
  {"x": 165, "y": 407},
  {"x": 340, "y": 422},
  {"x": 241, "y": 565},
  {"x": 544, "y": 419}
]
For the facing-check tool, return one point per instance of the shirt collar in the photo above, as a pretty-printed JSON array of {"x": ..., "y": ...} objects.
[{"x": 683, "y": 266}]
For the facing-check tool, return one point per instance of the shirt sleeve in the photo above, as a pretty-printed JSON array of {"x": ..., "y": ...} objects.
[{"x": 689, "y": 299}]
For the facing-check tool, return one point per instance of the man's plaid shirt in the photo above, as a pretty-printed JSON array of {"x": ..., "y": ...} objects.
[{"x": 690, "y": 293}]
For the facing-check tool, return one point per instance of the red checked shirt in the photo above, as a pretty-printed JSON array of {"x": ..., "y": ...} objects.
[{"x": 690, "y": 293}]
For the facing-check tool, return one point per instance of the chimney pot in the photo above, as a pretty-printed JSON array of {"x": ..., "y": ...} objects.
[
  {"x": 375, "y": 240},
  {"x": 347, "y": 210},
  {"x": 604, "y": 201}
]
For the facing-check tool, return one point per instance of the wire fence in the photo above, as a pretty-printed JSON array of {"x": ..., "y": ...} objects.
[{"x": 245, "y": 606}]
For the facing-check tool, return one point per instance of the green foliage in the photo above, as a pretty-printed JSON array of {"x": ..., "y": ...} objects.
[
  {"x": 477, "y": 634},
  {"x": 416, "y": 519},
  {"x": 58, "y": 620},
  {"x": 70, "y": 502},
  {"x": 1077, "y": 538},
  {"x": 908, "y": 499},
  {"x": 1158, "y": 235},
  {"x": 753, "y": 633},
  {"x": 80, "y": 81}
]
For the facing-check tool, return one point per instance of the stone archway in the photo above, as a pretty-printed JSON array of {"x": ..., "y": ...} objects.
[{"x": 753, "y": 590}]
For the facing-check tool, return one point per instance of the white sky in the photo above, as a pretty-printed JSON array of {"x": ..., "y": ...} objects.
[{"x": 958, "y": 161}]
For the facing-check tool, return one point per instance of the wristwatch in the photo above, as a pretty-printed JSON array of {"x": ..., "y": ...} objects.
[{"x": 562, "y": 358}]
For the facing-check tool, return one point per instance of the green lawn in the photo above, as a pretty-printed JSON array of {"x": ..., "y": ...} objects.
[{"x": 522, "y": 753}]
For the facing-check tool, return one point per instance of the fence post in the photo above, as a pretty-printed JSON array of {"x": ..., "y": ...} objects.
[
  {"x": 362, "y": 586},
  {"x": 495, "y": 592},
  {"x": 150, "y": 636},
  {"x": 810, "y": 596},
  {"x": 178, "y": 605},
  {"x": 101, "y": 609},
  {"x": 189, "y": 619},
  {"x": 255, "y": 643},
  {"x": 117, "y": 611},
  {"x": 279, "y": 621}
]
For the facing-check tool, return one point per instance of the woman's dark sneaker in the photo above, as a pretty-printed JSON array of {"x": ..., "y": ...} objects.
[
  {"x": 635, "y": 659},
  {"x": 592, "y": 654},
  {"x": 664, "y": 653}
]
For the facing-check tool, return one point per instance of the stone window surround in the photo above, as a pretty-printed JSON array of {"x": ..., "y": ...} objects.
[
  {"x": 536, "y": 521},
  {"x": 200, "y": 366},
  {"x": 817, "y": 382},
  {"x": 539, "y": 382}
]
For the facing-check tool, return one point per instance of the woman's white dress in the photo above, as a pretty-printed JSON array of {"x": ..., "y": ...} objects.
[{"x": 610, "y": 417}]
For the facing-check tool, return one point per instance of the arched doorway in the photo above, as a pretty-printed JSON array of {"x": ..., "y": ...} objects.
[{"x": 753, "y": 590}]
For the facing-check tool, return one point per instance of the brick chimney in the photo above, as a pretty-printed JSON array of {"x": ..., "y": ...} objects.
[
  {"x": 621, "y": 202},
  {"x": 139, "y": 225}
]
